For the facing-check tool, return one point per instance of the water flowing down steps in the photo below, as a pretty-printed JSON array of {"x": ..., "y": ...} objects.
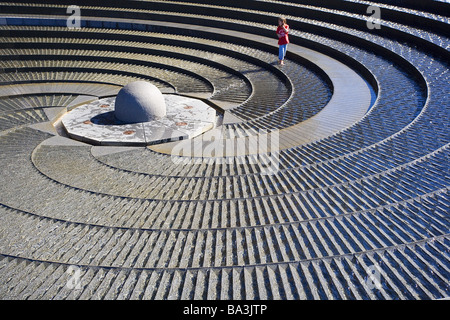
[{"x": 354, "y": 189}]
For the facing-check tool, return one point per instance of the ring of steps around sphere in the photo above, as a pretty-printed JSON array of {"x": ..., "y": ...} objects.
[{"x": 351, "y": 189}]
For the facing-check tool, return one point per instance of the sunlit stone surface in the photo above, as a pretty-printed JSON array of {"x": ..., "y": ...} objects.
[{"x": 97, "y": 122}]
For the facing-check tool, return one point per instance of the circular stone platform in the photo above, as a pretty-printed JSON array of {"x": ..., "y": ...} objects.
[{"x": 97, "y": 124}]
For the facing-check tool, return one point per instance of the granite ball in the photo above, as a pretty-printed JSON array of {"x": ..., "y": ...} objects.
[{"x": 139, "y": 101}]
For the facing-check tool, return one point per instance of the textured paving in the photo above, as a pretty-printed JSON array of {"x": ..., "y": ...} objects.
[{"x": 356, "y": 208}]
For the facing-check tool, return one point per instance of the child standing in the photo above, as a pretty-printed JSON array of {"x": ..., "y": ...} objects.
[{"x": 283, "y": 39}]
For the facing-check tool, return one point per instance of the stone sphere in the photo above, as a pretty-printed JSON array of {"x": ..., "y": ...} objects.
[{"x": 139, "y": 101}]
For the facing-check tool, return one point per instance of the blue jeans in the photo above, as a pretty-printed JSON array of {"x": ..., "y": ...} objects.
[{"x": 282, "y": 51}]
